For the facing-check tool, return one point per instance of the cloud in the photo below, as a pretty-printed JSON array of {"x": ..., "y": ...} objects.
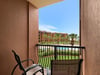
[{"x": 48, "y": 28}]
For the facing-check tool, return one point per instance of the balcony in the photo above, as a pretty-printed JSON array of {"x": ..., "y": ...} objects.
[
  {"x": 46, "y": 53},
  {"x": 19, "y": 31}
]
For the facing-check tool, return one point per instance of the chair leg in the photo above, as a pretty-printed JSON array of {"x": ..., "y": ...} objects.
[
  {"x": 33, "y": 74},
  {"x": 42, "y": 71},
  {"x": 24, "y": 73}
]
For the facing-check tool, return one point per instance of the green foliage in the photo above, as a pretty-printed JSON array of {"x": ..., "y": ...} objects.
[
  {"x": 59, "y": 39},
  {"x": 72, "y": 35},
  {"x": 46, "y": 61},
  {"x": 60, "y": 52}
]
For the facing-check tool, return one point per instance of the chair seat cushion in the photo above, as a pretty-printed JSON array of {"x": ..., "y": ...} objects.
[
  {"x": 33, "y": 70},
  {"x": 46, "y": 72}
]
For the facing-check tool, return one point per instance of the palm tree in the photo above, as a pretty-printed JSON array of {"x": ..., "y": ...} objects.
[
  {"x": 72, "y": 38},
  {"x": 77, "y": 40}
]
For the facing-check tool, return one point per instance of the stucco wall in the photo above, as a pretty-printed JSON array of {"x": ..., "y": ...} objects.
[
  {"x": 15, "y": 34},
  {"x": 90, "y": 35},
  {"x": 33, "y": 33}
]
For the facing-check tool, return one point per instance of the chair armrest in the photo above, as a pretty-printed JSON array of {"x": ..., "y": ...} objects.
[
  {"x": 27, "y": 60},
  {"x": 21, "y": 62},
  {"x": 34, "y": 67}
]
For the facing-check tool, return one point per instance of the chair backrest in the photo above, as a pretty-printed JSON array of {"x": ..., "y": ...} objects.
[
  {"x": 66, "y": 67},
  {"x": 17, "y": 58}
]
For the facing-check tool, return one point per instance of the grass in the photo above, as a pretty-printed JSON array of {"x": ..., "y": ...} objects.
[
  {"x": 59, "y": 52},
  {"x": 46, "y": 61},
  {"x": 45, "y": 56}
]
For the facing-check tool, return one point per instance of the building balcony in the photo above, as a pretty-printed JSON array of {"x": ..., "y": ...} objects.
[{"x": 47, "y": 53}]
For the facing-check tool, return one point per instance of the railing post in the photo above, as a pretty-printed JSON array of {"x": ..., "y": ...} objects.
[{"x": 55, "y": 52}]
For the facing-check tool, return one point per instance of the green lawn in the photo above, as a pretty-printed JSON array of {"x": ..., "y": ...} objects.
[{"x": 46, "y": 61}]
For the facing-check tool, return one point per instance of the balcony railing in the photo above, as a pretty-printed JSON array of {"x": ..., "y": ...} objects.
[{"x": 47, "y": 53}]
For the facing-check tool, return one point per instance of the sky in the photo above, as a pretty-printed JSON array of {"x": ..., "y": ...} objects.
[{"x": 60, "y": 17}]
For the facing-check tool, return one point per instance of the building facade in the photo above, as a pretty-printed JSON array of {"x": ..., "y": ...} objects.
[{"x": 52, "y": 38}]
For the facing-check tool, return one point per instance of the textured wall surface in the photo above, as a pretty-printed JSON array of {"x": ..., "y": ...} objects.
[
  {"x": 16, "y": 32},
  {"x": 33, "y": 32},
  {"x": 13, "y": 29},
  {"x": 90, "y": 35}
]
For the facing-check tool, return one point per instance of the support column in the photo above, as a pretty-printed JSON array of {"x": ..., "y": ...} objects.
[{"x": 32, "y": 33}]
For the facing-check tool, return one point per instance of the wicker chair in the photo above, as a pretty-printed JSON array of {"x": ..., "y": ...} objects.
[
  {"x": 31, "y": 70},
  {"x": 66, "y": 67}
]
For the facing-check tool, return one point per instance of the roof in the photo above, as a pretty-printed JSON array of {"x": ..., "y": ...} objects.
[{"x": 42, "y": 3}]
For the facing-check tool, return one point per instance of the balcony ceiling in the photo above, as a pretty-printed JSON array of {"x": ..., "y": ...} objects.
[{"x": 42, "y": 3}]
